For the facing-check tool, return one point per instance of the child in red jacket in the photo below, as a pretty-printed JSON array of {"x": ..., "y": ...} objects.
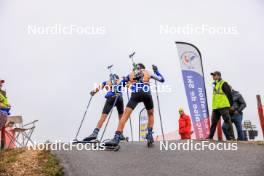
[{"x": 184, "y": 125}]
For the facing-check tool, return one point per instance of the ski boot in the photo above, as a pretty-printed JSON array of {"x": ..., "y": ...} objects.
[
  {"x": 113, "y": 144},
  {"x": 92, "y": 138},
  {"x": 149, "y": 138}
]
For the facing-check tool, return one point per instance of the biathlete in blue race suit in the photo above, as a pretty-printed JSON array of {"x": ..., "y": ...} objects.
[
  {"x": 139, "y": 82},
  {"x": 114, "y": 95}
]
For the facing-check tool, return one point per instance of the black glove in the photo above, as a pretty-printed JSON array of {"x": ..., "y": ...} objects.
[
  {"x": 155, "y": 68},
  {"x": 92, "y": 93}
]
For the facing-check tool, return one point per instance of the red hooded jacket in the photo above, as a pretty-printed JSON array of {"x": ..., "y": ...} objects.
[{"x": 185, "y": 124}]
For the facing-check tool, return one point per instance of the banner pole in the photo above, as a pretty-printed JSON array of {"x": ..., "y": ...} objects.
[{"x": 219, "y": 130}]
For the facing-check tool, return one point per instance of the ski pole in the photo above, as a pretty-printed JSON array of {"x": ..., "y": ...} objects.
[
  {"x": 159, "y": 110},
  {"x": 131, "y": 128},
  {"x": 83, "y": 118},
  {"x": 111, "y": 74},
  {"x": 131, "y": 56},
  {"x": 109, "y": 67},
  {"x": 109, "y": 118}
]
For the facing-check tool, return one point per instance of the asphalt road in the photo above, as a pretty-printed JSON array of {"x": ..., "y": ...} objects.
[{"x": 135, "y": 159}]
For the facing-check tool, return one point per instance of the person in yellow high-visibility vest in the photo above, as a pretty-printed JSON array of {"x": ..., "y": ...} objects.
[
  {"x": 222, "y": 101},
  {"x": 4, "y": 112},
  {"x": 4, "y": 105}
]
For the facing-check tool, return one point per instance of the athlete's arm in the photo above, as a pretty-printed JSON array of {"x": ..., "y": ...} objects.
[
  {"x": 125, "y": 81},
  {"x": 157, "y": 76}
]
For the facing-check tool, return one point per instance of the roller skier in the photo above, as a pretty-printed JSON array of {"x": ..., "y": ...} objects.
[
  {"x": 113, "y": 99},
  {"x": 139, "y": 83}
]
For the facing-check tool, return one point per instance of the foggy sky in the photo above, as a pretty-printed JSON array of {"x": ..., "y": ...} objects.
[{"x": 49, "y": 77}]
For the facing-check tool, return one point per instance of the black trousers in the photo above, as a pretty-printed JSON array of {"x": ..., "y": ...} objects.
[{"x": 227, "y": 123}]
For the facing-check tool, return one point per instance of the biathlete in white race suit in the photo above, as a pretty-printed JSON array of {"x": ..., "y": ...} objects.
[
  {"x": 113, "y": 93},
  {"x": 139, "y": 81}
]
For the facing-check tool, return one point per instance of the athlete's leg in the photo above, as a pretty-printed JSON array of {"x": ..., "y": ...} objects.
[
  {"x": 120, "y": 107},
  {"x": 120, "y": 116},
  {"x": 131, "y": 105},
  {"x": 129, "y": 109},
  {"x": 150, "y": 118},
  {"x": 148, "y": 102},
  {"x": 107, "y": 108},
  {"x": 149, "y": 136},
  {"x": 124, "y": 119},
  {"x": 122, "y": 137},
  {"x": 101, "y": 121}
]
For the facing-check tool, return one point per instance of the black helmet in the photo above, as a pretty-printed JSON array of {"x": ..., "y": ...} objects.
[
  {"x": 141, "y": 66},
  {"x": 113, "y": 76}
]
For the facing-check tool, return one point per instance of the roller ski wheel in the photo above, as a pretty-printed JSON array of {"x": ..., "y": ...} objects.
[{"x": 112, "y": 148}]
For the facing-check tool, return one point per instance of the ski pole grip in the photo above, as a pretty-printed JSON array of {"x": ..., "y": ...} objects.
[
  {"x": 131, "y": 55},
  {"x": 155, "y": 68}
]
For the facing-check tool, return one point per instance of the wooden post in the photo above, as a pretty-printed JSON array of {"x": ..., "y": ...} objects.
[
  {"x": 219, "y": 130},
  {"x": 2, "y": 138},
  {"x": 3, "y": 119}
]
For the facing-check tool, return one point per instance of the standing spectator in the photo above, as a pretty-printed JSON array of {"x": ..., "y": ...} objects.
[
  {"x": 184, "y": 125},
  {"x": 236, "y": 112},
  {"x": 222, "y": 101},
  {"x": 4, "y": 105},
  {"x": 4, "y": 111}
]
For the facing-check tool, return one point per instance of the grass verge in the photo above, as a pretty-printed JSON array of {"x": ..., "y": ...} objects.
[{"x": 18, "y": 162}]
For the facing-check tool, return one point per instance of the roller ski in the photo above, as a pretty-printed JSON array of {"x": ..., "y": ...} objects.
[
  {"x": 112, "y": 148},
  {"x": 149, "y": 137},
  {"x": 113, "y": 144}
]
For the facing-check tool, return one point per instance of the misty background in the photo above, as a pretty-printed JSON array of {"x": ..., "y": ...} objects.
[{"x": 49, "y": 77}]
